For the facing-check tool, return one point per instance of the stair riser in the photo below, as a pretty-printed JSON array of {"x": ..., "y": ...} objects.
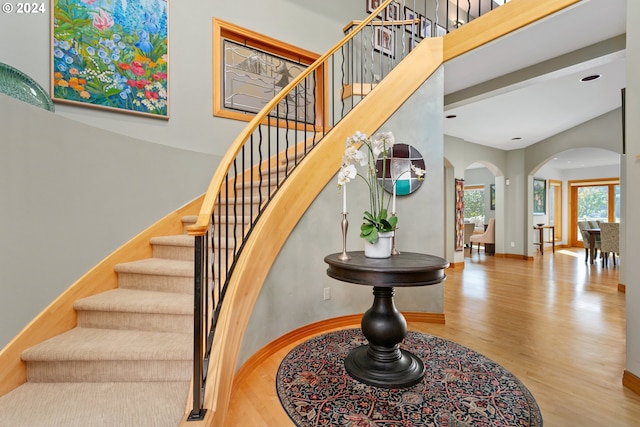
[
  {"x": 230, "y": 226},
  {"x": 248, "y": 206},
  {"x": 149, "y": 282},
  {"x": 268, "y": 178},
  {"x": 178, "y": 253},
  {"x": 221, "y": 222},
  {"x": 153, "y": 322},
  {"x": 110, "y": 371}
]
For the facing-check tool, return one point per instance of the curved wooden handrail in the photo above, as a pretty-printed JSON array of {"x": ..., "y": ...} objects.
[
  {"x": 208, "y": 206},
  {"x": 507, "y": 18},
  {"x": 297, "y": 194},
  {"x": 526, "y": 11},
  {"x": 59, "y": 316},
  {"x": 306, "y": 181}
]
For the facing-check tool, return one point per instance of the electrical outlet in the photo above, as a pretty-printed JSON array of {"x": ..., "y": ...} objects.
[
  {"x": 327, "y": 293},
  {"x": 513, "y": 244}
]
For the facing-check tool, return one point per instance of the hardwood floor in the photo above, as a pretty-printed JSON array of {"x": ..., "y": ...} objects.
[{"x": 556, "y": 322}]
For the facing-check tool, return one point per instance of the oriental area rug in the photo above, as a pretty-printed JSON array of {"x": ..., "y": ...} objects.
[{"x": 461, "y": 388}]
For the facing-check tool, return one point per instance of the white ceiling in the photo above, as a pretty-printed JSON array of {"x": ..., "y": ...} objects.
[{"x": 538, "y": 103}]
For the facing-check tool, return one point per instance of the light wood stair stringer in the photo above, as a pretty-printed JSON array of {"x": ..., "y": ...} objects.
[
  {"x": 322, "y": 164},
  {"x": 292, "y": 200},
  {"x": 60, "y": 316}
]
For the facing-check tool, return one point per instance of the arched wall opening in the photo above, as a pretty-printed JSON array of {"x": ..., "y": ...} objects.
[
  {"x": 560, "y": 172},
  {"x": 484, "y": 174}
]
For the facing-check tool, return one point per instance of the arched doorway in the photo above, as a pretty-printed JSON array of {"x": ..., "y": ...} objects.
[
  {"x": 567, "y": 174},
  {"x": 484, "y": 199}
]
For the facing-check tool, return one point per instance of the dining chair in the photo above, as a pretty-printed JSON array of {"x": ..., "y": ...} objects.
[
  {"x": 468, "y": 232},
  {"x": 487, "y": 238},
  {"x": 586, "y": 239},
  {"x": 609, "y": 241}
]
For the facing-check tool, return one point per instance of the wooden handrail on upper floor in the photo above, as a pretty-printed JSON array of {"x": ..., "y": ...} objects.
[{"x": 507, "y": 18}]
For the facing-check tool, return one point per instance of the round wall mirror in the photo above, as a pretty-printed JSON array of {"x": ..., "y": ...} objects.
[{"x": 398, "y": 169}]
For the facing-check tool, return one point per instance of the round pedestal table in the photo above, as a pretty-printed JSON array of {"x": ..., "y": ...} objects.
[{"x": 382, "y": 362}]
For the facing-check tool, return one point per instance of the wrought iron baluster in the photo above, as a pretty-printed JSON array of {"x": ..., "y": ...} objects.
[{"x": 226, "y": 237}]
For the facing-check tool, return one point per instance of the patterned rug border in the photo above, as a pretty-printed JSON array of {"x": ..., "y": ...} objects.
[{"x": 462, "y": 388}]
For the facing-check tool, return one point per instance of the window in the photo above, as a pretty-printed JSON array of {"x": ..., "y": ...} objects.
[
  {"x": 474, "y": 203},
  {"x": 555, "y": 207},
  {"x": 249, "y": 69},
  {"x": 596, "y": 200}
]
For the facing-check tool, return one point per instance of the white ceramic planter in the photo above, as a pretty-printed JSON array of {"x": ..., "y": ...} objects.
[{"x": 381, "y": 248}]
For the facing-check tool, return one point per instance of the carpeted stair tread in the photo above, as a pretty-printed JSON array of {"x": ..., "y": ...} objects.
[
  {"x": 175, "y": 240},
  {"x": 157, "y": 266},
  {"x": 150, "y": 404},
  {"x": 90, "y": 344},
  {"x": 137, "y": 301}
]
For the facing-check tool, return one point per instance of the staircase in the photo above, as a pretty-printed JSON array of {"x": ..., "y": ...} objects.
[{"x": 129, "y": 360}]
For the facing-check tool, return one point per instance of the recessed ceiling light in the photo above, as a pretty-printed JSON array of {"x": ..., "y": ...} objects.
[
  {"x": 451, "y": 116},
  {"x": 590, "y": 78},
  {"x": 516, "y": 138}
]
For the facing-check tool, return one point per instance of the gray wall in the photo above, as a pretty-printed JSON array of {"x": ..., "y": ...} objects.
[
  {"x": 631, "y": 169},
  {"x": 292, "y": 295},
  {"x": 70, "y": 194},
  {"x": 309, "y": 24},
  {"x": 58, "y": 170}
]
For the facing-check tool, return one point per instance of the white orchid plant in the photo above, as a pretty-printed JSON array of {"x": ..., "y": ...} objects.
[{"x": 366, "y": 151}]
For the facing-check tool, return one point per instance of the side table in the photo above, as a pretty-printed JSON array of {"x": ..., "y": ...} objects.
[
  {"x": 382, "y": 362},
  {"x": 541, "y": 241}
]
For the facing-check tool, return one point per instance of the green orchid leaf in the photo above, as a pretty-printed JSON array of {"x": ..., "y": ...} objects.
[
  {"x": 372, "y": 237},
  {"x": 366, "y": 229}
]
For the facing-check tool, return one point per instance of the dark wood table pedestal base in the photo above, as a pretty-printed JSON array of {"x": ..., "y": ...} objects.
[{"x": 382, "y": 362}]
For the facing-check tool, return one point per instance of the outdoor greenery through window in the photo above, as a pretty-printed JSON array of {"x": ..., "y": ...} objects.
[
  {"x": 473, "y": 201},
  {"x": 593, "y": 203},
  {"x": 596, "y": 201}
]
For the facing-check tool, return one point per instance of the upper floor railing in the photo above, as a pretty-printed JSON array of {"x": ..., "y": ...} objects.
[{"x": 279, "y": 137}]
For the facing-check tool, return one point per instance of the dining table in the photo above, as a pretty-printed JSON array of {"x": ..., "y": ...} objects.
[{"x": 593, "y": 232}]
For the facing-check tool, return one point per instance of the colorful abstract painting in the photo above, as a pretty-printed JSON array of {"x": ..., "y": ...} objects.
[
  {"x": 459, "y": 215},
  {"x": 111, "y": 54}
]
